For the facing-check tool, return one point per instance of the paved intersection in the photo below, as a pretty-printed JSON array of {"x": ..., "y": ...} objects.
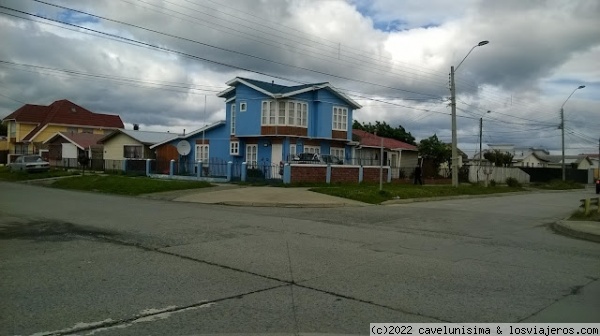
[{"x": 110, "y": 265}]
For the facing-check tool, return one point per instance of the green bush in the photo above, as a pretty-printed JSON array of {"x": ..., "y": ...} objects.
[
  {"x": 492, "y": 183},
  {"x": 513, "y": 183}
]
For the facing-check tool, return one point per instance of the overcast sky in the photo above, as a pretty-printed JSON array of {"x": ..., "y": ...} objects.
[{"x": 156, "y": 62}]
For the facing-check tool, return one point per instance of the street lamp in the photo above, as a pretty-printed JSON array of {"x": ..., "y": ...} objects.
[
  {"x": 453, "y": 105},
  {"x": 562, "y": 128}
]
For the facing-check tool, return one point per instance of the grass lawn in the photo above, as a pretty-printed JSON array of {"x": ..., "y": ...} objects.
[
  {"x": 558, "y": 185},
  {"x": 124, "y": 185},
  {"x": 594, "y": 216},
  {"x": 6, "y": 175},
  {"x": 369, "y": 193}
]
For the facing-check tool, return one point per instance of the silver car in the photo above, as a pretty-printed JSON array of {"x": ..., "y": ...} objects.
[{"x": 29, "y": 163}]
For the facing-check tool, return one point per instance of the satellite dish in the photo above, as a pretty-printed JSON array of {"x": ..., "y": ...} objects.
[{"x": 184, "y": 147}]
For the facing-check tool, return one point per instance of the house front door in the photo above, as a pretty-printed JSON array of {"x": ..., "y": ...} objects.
[{"x": 276, "y": 153}]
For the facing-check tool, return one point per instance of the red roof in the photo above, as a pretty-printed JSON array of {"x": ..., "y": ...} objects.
[
  {"x": 62, "y": 112},
  {"x": 372, "y": 140}
]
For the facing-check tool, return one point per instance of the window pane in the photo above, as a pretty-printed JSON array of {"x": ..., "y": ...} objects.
[
  {"x": 291, "y": 113},
  {"x": 281, "y": 113},
  {"x": 264, "y": 113}
]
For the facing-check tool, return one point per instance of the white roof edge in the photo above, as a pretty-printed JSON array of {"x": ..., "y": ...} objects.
[
  {"x": 64, "y": 137},
  {"x": 180, "y": 136},
  {"x": 226, "y": 91},
  {"x": 230, "y": 99}
]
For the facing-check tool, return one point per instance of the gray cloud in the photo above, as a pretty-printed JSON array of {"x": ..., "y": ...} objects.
[{"x": 538, "y": 51}]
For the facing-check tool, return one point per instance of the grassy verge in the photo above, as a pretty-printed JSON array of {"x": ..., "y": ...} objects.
[
  {"x": 371, "y": 194},
  {"x": 558, "y": 185},
  {"x": 123, "y": 185},
  {"x": 7, "y": 175},
  {"x": 594, "y": 216}
]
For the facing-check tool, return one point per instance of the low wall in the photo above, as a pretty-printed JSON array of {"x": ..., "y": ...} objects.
[
  {"x": 498, "y": 174},
  {"x": 316, "y": 173}
]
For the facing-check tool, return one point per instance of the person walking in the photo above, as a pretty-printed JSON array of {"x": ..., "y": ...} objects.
[{"x": 418, "y": 174}]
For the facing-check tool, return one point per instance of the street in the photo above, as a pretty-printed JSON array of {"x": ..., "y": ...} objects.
[{"x": 84, "y": 263}]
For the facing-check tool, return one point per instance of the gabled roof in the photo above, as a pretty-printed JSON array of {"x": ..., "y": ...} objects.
[
  {"x": 62, "y": 112},
  {"x": 280, "y": 91},
  {"x": 81, "y": 140},
  {"x": 145, "y": 137},
  {"x": 371, "y": 140},
  {"x": 181, "y": 136},
  {"x": 557, "y": 159}
]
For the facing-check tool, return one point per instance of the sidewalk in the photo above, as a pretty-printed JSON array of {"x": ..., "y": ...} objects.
[
  {"x": 267, "y": 197},
  {"x": 579, "y": 229}
]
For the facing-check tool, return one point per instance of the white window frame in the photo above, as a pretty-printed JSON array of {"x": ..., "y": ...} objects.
[
  {"x": 234, "y": 148},
  {"x": 203, "y": 154},
  {"x": 232, "y": 119},
  {"x": 339, "y": 152},
  {"x": 243, "y": 106},
  {"x": 312, "y": 149},
  {"x": 252, "y": 155},
  {"x": 278, "y": 113},
  {"x": 339, "y": 118},
  {"x": 293, "y": 151}
]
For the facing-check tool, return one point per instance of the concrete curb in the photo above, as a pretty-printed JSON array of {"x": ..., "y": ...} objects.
[
  {"x": 445, "y": 198},
  {"x": 565, "y": 227},
  {"x": 279, "y": 205}
]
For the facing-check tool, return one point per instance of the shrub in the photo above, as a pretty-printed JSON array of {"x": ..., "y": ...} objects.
[
  {"x": 492, "y": 183},
  {"x": 513, "y": 183}
]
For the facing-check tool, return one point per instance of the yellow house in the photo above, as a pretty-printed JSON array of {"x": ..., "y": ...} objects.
[
  {"x": 31, "y": 125},
  {"x": 132, "y": 144}
]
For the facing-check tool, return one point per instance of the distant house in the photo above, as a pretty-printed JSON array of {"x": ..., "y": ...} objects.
[
  {"x": 64, "y": 148},
  {"x": 132, "y": 144},
  {"x": 582, "y": 162},
  {"x": 31, "y": 125},
  {"x": 207, "y": 144},
  {"x": 399, "y": 155}
]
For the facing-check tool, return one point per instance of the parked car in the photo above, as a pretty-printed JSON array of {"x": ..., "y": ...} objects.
[
  {"x": 598, "y": 186},
  {"x": 29, "y": 163},
  {"x": 318, "y": 159}
]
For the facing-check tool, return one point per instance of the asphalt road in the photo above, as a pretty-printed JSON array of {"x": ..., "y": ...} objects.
[{"x": 84, "y": 263}]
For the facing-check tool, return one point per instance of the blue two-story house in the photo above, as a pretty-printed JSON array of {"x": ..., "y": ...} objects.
[
  {"x": 271, "y": 123},
  {"x": 268, "y": 123}
]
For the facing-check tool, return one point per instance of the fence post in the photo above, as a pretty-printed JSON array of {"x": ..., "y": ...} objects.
[
  {"x": 287, "y": 174},
  {"x": 328, "y": 175},
  {"x": 244, "y": 172},
  {"x": 124, "y": 165},
  {"x": 198, "y": 169},
  {"x": 229, "y": 171},
  {"x": 586, "y": 206},
  {"x": 389, "y": 174},
  {"x": 148, "y": 167},
  {"x": 360, "y": 174},
  {"x": 171, "y": 167}
]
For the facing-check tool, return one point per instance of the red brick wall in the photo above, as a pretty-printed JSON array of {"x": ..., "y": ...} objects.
[
  {"x": 344, "y": 174},
  {"x": 339, "y": 174},
  {"x": 371, "y": 174},
  {"x": 306, "y": 173}
]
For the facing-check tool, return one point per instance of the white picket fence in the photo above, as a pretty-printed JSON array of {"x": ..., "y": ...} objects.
[{"x": 498, "y": 174}]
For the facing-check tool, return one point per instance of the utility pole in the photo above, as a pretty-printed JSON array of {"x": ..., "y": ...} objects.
[
  {"x": 480, "y": 140},
  {"x": 381, "y": 167},
  {"x": 562, "y": 136},
  {"x": 453, "y": 104},
  {"x": 454, "y": 140},
  {"x": 562, "y": 128}
]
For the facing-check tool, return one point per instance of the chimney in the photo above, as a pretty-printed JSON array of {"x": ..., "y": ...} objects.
[{"x": 136, "y": 127}]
